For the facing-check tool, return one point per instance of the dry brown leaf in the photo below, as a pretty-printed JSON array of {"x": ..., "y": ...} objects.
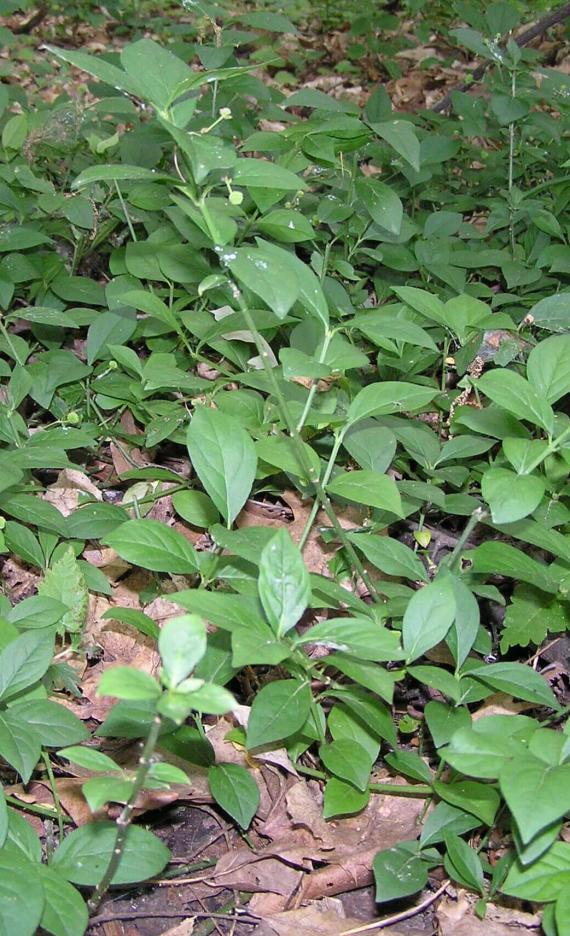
[
  {"x": 456, "y": 918},
  {"x": 300, "y": 838},
  {"x": 65, "y": 491},
  {"x": 325, "y": 918}
]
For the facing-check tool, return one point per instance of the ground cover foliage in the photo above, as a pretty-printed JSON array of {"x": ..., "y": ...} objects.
[{"x": 284, "y": 402}]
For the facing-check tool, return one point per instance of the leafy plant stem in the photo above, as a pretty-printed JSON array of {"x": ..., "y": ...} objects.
[
  {"x": 36, "y": 810},
  {"x": 54, "y": 793},
  {"x": 126, "y": 213},
  {"x": 388, "y": 789},
  {"x": 512, "y": 164},
  {"x": 322, "y": 496},
  {"x": 326, "y": 477},
  {"x": 309, "y": 402},
  {"x": 125, "y": 817},
  {"x": 478, "y": 515},
  {"x": 552, "y": 447}
]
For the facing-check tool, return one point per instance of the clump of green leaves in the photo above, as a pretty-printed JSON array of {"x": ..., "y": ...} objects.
[{"x": 391, "y": 342}]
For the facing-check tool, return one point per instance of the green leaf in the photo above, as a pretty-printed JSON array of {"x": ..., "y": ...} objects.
[
  {"x": 443, "y": 819},
  {"x": 463, "y": 632},
  {"x": 98, "y": 791},
  {"x": 22, "y": 897},
  {"x": 137, "y": 619},
  {"x": 552, "y": 313},
  {"x": 368, "y": 674},
  {"x": 502, "y": 559},
  {"x": 119, "y": 173},
  {"x": 65, "y": 911},
  {"x": 84, "y": 855},
  {"x": 515, "y": 394},
  {"x": 54, "y": 724},
  {"x": 399, "y": 872},
  {"x": 24, "y": 661},
  {"x": 382, "y": 203},
  {"x": 65, "y": 582},
  {"x": 347, "y": 760},
  {"x": 99, "y": 68},
  {"x": 511, "y": 496},
  {"x": 282, "y": 453},
  {"x": 410, "y": 764},
  {"x": 443, "y": 721},
  {"x": 562, "y": 912},
  {"x": 279, "y": 710},
  {"x": 548, "y": 367},
  {"x": 19, "y": 744},
  {"x": 368, "y": 487},
  {"x": 196, "y": 508},
  {"x": 428, "y": 617},
  {"x": 258, "y": 173},
  {"x": 381, "y": 399},
  {"x": 401, "y": 136},
  {"x": 342, "y": 799},
  {"x": 264, "y": 19},
  {"x": 90, "y": 758},
  {"x": 462, "y": 863},
  {"x": 532, "y": 615},
  {"x": 36, "y": 612},
  {"x": 286, "y": 226},
  {"x": 390, "y": 556},
  {"x": 517, "y": 680},
  {"x": 371, "y": 445},
  {"x": 284, "y": 585},
  {"x": 272, "y": 279},
  {"x": 223, "y": 456},
  {"x": 356, "y": 635},
  {"x": 311, "y": 295},
  {"x": 234, "y": 789},
  {"x": 155, "y": 71},
  {"x": 482, "y": 749},
  {"x": 182, "y": 644},
  {"x": 152, "y": 545},
  {"x": 124, "y": 682},
  {"x": 479, "y": 799},
  {"x": 543, "y": 880},
  {"x": 536, "y": 793}
]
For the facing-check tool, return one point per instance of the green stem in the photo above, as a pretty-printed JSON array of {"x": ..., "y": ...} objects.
[
  {"x": 126, "y": 213},
  {"x": 304, "y": 461},
  {"x": 54, "y": 793},
  {"x": 126, "y": 815},
  {"x": 44, "y": 811},
  {"x": 478, "y": 515},
  {"x": 398, "y": 789},
  {"x": 550, "y": 449},
  {"x": 326, "y": 478},
  {"x": 389, "y": 789},
  {"x": 309, "y": 402}
]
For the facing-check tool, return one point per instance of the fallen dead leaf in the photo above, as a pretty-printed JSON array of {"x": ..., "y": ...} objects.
[
  {"x": 456, "y": 918},
  {"x": 346, "y": 847}
]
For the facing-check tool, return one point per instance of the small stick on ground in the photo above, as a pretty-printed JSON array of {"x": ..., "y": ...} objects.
[{"x": 398, "y": 917}]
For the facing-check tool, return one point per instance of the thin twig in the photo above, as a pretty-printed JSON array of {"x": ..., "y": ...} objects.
[
  {"x": 124, "y": 820},
  {"x": 398, "y": 917},
  {"x": 244, "y": 917},
  {"x": 526, "y": 37}
]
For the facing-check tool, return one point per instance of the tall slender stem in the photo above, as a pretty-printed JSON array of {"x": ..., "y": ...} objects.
[
  {"x": 478, "y": 515},
  {"x": 126, "y": 815},
  {"x": 304, "y": 461},
  {"x": 326, "y": 478},
  {"x": 309, "y": 402}
]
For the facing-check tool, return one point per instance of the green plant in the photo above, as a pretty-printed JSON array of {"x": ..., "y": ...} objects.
[{"x": 370, "y": 344}]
